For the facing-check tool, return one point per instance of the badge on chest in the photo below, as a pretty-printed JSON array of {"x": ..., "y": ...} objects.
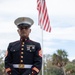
[{"x": 31, "y": 48}]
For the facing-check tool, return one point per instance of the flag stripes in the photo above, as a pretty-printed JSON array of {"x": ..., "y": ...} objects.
[{"x": 43, "y": 18}]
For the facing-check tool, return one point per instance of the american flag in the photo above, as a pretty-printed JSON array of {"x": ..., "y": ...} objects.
[{"x": 43, "y": 18}]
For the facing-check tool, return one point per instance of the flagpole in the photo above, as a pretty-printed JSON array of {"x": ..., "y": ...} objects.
[
  {"x": 42, "y": 47},
  {"x": 42, "y": 55}
]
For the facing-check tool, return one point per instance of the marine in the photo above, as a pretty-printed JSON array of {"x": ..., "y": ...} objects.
[{"x": 23, "y": 57}]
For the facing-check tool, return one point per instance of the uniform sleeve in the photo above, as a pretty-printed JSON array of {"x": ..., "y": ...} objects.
[
  {"x": 37, "y": 60},
  {"x": 8, "y": 62}
]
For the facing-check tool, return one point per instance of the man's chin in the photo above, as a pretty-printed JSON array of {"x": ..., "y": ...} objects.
[{"x": 23, "y": 36}]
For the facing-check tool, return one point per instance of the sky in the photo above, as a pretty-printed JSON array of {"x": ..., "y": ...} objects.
[{"x": 62, "y": 21}]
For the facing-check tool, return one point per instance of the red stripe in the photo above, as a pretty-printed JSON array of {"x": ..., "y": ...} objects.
[
  {"x": 45, "y": 24},
  {"x": 44, "y": 13}
]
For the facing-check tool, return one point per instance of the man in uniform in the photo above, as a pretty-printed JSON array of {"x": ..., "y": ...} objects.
[{"x": 23, "y": 57}]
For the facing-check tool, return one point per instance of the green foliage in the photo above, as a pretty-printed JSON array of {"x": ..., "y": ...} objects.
[
  {"x": 50, "y": 69},
  {"x": 60, "y": 58},
  {"x": 70, "y": 69},
  {"x": 2, "y": 62},
  {"x": 53, "y": 70},
  {"x": 1, "y": 65}
]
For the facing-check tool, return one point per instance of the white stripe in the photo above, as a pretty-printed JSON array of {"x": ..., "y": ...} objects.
[
  {"x": 24, "y": 22},
  {"x": 25, "y": 66}
]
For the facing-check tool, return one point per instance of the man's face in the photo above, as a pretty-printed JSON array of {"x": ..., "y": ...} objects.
[{"x": 24, "y": 32}]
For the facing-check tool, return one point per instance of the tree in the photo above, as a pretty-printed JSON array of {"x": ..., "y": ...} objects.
[
  {"x": 50, "y": 69},
  {"x": 2, "y": 61},
  {"x": 60, "y": 58},
  {"x": 70, "y": 68}
]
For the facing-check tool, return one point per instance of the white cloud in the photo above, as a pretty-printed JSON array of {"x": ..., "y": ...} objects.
[
  {"x": 61, "y": 33},
  {"x": 7, "y": 27},
  {"x": 71, "y": 58},
  {"x": 61, "y": 7},
  {"x": 48, "y": 50},
  {"x": 64, "y": 33},
  {"x": 18, "y": 6}
]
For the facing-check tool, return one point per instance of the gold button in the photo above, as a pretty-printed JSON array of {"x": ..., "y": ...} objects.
[
  {"x": 21, "y": 56},
  {"x": 14, "y": 50},
  {"x": 22, "y": 48},
  {"x": 10, "y": 72},
  {"x": 30, "y": 50},
  {"x": 21, "y": 52},
  {"x": 21, "y": 60},
  {"x": 23, "y": 43},
  {"x": 25, "y": 39}
]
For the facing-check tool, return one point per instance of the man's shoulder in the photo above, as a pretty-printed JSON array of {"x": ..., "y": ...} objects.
[
  {"x": 34, "y": 42},
  {"x": 14, "y": 42}
]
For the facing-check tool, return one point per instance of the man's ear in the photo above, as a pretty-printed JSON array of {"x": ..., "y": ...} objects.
[
  {"x": 30, "y": 31},
  {"x": 18, "y": 30}
]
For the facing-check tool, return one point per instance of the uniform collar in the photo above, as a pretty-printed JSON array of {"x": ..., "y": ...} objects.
[{"x": 24, "y": 39}]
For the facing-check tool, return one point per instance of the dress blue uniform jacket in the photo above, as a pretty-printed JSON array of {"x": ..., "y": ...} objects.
[{"x": 22, "y": 53}]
